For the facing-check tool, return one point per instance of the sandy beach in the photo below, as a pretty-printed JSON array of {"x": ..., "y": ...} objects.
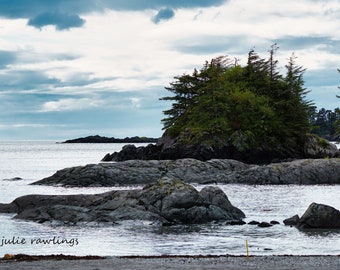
[{"x": 182, "y": 262}]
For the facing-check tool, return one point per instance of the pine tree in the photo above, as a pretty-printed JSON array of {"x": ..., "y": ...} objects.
[{"x": 296, "y": 99}]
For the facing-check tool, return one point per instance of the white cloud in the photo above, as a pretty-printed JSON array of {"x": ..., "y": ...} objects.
[
  {"x": 135, "y": 102},
  {"x": 70, "y": 104}
]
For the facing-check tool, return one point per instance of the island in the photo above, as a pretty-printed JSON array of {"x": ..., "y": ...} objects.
[{"x": 101, "y": 139}]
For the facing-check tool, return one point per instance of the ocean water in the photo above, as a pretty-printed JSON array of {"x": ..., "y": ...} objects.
[{"x": 32, "y": 161}]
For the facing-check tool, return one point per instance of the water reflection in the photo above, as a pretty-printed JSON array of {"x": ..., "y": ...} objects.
[{"x": 319, "y": 233}]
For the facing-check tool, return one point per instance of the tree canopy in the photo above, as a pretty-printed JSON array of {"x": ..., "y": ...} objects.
[
  {"x": 324, "y": 123},
  {"x": 246, "y": 106}
]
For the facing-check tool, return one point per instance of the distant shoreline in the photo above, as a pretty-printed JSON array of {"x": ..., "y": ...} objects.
[{"x": 101, "y": 139}]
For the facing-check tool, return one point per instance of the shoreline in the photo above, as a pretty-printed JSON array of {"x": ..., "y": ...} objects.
[{"x": 183, "y": 262}]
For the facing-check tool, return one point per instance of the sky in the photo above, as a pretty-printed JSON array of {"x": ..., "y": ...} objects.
[{"x": 74, "y": 68}]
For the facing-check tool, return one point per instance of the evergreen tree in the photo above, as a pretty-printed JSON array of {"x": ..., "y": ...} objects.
[
  {"x": 295, "y": 108},
  {"x": 323, "y": 122},
  {"x": 245, "y": 107}
]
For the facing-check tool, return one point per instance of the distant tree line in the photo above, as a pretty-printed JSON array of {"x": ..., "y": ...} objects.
[
  {"x": 325, "y": 123},
  {"x": 248, "y": 106}
]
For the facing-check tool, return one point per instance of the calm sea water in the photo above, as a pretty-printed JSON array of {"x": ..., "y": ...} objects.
[{"x": 32, "y": 161}]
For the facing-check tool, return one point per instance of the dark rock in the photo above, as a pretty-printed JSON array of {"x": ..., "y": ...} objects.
[
  {"x": 264, "y": 225},
  {"x": 8, "y": 208},
  {"x": 236, "y": 223},
  {"x": 107, "y": 157},
  {"x": 320, "y": 216},
  {"x": 168, "y": 201},
  {"x": 274, "y": 222},
  {"x": 215, "y": 196},
  {"x": 140, "y": 172},
  {"x": 292, "y": 221},
  {"x": 168, "y": 147},
  {"x": 14, "y": 179},
  {"x": 253, "y": 222}
]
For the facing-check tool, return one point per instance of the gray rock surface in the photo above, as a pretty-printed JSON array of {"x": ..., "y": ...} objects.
[
  {"x": 166, "y": 201},
  {"x": 140, "y": 172}
]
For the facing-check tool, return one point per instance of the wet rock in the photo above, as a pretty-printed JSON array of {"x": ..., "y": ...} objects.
[
  {"x": 264, "y": 225},
  {"x": 167, "y": 201},
  {"x": 292, "y": 221},
  {"x": 236, "y": 223},
  {"x": 14, "y": 179},
  {"x": 274, "y": 222},
  {"x": 253, "y": 222},
  {"x": 215, "y": 196},
  {"x": 320, "y": 216},
  {"x": 8, "y": 208},
  {"x": 141, "y": 172}
]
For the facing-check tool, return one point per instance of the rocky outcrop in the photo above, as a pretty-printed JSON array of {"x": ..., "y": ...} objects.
[
  {"x": 170, "y": 148},
  {"x": 200, "y": 152},
  {"x": 317, "y": 216},
  {"x": 140, "y": 172},
  {"x": 167, "y": 201}
]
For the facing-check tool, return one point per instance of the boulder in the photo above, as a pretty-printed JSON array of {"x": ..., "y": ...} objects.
[
  {"x": 292, "y": 221},
  {"x": 167, "y": 201},
  {"x": 141, "y": 172},
  {"x": 253, "y": 222},
  {"x": 316, "y": 147},
  {"x": 320, "y": 216},
  {"x": 264, "y": 224}
]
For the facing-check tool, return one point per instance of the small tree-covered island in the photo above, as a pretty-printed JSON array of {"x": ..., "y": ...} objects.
[{"x": 253, "y": 113}]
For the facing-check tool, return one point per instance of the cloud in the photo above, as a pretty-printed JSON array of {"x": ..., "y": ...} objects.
[
  {"x": 163, "y": 15},
  {"x": 216, "y": 44},
  {"x": 65, "y": 14},
  {"x": 135, "y": 102},
  {"x": 25, "y": 80},
  {"x": 61, "y": 21},
  {"x": 70, "y": 104}
]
